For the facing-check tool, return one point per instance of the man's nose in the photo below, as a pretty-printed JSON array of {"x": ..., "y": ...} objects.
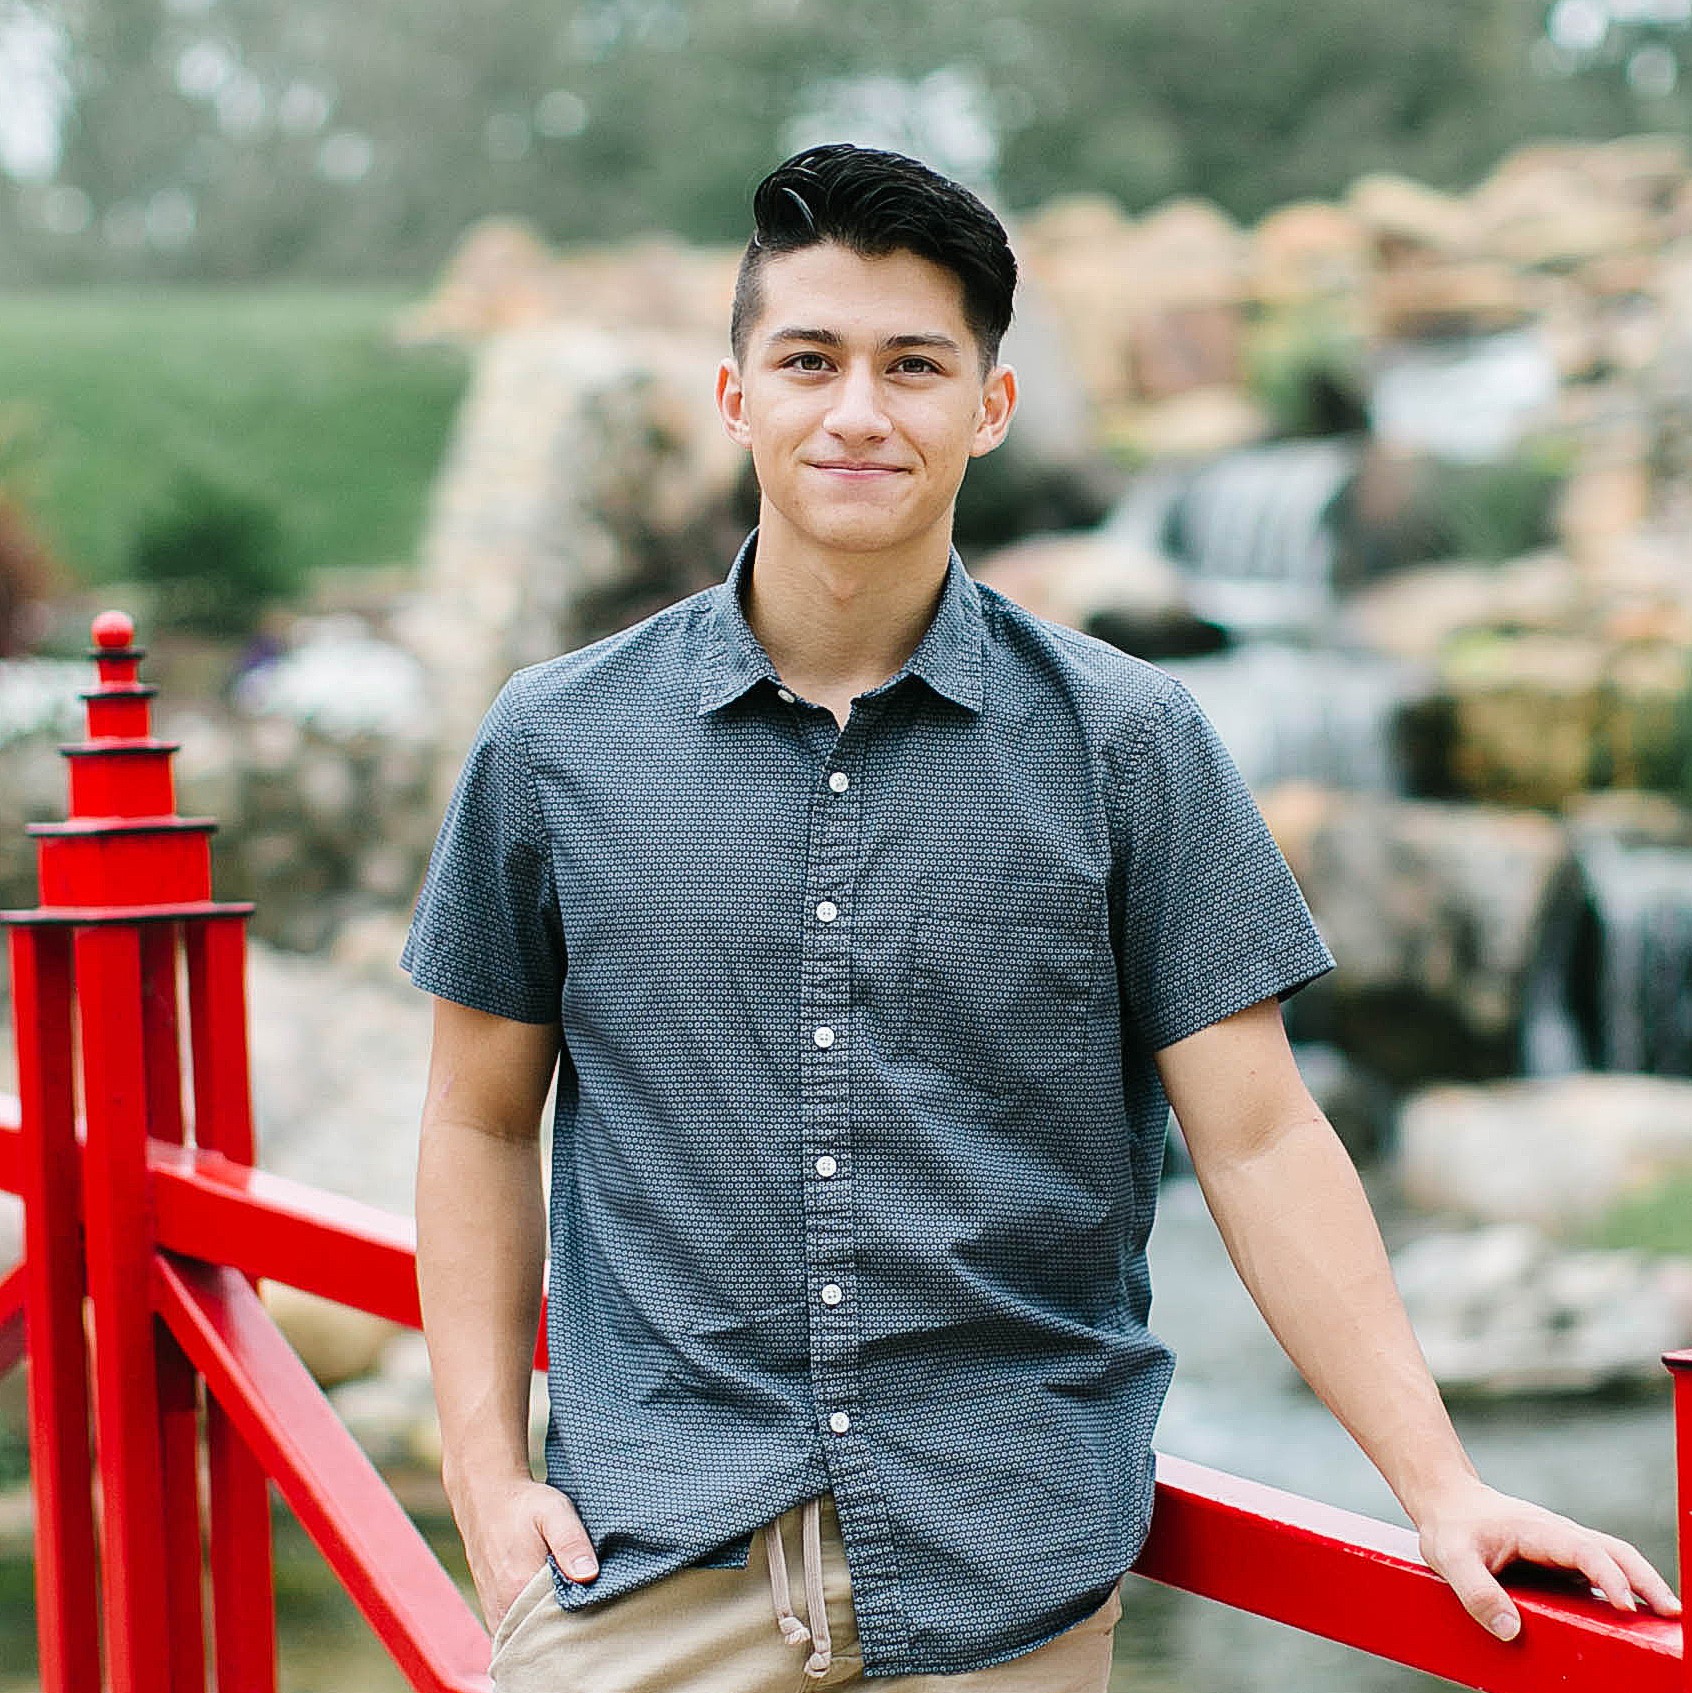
[{"x": 857, "y": 411}]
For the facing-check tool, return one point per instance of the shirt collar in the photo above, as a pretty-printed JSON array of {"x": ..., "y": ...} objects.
[{"x": 949, "y": 657}]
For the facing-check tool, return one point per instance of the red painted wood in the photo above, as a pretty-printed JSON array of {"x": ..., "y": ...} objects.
[
  {"x": 217, "y": 1004},
  {"x": 160, "y": 1036},
  {"x": 45, "y": 1170},
  {"x": 124, "y": 916},
  {"x": 1359, "y": 1581},
  {"x": 119, "y": 711},
  {"x": 242, "y": 1577},
  {"x": 1680, "y": 1368},
  {"x": 208, "y": 1206},
  {"x": 179, "y": 1406},
  {"x": 119, "y": 1255},
  {"x": 241, "y": 1550},
  {"x": 14, "y": 1291},
  {"x": 329, "y": 1483},
  {"x": 120, "y": 777},
  {"x": 165, "y": 861}
]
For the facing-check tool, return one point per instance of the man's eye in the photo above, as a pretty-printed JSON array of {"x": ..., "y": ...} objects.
[
  {"x": 916, "y": 366},
  {"x": 807, "y": 361}
]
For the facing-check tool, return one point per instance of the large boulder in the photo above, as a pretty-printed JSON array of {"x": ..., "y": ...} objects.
[
  {"x": 1503, "y": 1310},
  {"x": 1103, "y": 583},
  {"x": 1437, "y": 915},
  {"x": 1555, "y": 1151}
]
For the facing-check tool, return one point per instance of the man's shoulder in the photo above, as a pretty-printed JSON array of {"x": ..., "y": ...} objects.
[
  {"x": 649, "y": 662},
  {"x": 1112, "y": 690}
]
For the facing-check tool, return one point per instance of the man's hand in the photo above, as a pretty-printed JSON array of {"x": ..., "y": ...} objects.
[
  {"x": 507, "y": 1535},
  {"x": 1474, "y": 1531}
]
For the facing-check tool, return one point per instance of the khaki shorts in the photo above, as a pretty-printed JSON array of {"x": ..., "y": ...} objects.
[{"x": 714, "y": 1631}]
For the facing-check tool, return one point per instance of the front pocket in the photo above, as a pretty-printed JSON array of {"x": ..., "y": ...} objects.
[
  {"x": 1000, "y": 982},
  {"x": 528, "y": 1597}
]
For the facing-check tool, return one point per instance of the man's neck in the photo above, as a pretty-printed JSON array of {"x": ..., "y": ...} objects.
[{"x": 837, "y": 624}]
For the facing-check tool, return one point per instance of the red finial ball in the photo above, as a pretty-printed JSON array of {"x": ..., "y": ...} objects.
[{"x": 113, "y": 629}]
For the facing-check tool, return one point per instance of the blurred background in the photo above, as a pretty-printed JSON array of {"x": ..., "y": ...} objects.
[{"x": 365, "y": 354}]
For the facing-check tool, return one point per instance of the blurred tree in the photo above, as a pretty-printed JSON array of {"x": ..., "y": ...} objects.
[{"x": 247, "y": 138}]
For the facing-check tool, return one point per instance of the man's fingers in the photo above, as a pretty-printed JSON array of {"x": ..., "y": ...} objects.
[
  {"x": 1579, "y": 1550},
  {"x": 1481, "y": 1595},
  {"x": 571, "y": 1548},
  {"x": 1643, "y": 1575}
]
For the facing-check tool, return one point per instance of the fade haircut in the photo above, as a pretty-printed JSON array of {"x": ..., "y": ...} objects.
[{"x": 875, "y": 203}]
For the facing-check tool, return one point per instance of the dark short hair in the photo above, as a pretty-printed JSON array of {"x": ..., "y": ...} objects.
[{"x": 876, "y": 203}]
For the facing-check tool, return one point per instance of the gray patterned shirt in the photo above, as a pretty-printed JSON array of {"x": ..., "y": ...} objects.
[{"x": 858, "y": 1133}]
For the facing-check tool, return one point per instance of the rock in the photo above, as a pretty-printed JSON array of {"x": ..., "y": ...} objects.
[
  {"x": 336, "y": 1342},
  {"x": 1501, "y": 1311},
  {"x": 1551, "y": 1151},
  {"x": 1308, "y": 252},
  {"x": 1532, "y": 718},
  {"x": 1544, "y": 206},
  {"x": 1436, "y": 914},
  {"x": 1200, "y": 423},
  {"x": 1404, "y": 218},
  {"x": 587, "y": 472},
  {"x": 1417, "y": 299},
  {"x": 1629, "y": 818},
  {"x": 1416, "y": 614},
  {"x": 1101, "y": 582}
]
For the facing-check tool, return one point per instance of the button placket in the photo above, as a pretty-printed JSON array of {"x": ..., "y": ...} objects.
[{"x": 825, "y": 1094}]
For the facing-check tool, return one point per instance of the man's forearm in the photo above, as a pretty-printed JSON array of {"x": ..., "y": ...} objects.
[
  {"x": 481, "y": 1240},
  {"x": 1304, "y": 1240}
]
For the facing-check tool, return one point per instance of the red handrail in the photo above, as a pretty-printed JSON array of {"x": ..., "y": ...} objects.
[{"x": 144, "y": 1215}]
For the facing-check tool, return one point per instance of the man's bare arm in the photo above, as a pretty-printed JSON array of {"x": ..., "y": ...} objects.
[
  {"x": 481, "y": 1247},
  {"x": 1299, "y": 1229}
]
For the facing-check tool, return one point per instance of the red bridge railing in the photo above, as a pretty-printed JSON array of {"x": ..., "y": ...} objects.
[{"x": 160, "y": 1389}]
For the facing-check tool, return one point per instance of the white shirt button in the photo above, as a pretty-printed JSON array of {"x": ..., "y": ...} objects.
[
  {"x": 827, "y": 911},
  {"x": 823, "y": 1037},
  {"x": 831, "y": 1294},
  {"x": 839, "y": 1421},
  {"x": 826, "y": 1166},
  {"x": 785, "y": 694},
  {"x": 839, "y": 781}
]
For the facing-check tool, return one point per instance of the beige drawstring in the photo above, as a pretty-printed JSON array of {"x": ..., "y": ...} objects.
[{"x": 793, "y": 1631}]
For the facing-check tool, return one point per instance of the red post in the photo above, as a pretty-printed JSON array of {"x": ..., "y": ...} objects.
[
  {"x": 120, "y": 1258},
  {"x": 244, "y": 1617},
  {"x": 1680, "y": 1367},
  {"x": 67, "y": 1628},
  {"x": 176, "y": 1346}
]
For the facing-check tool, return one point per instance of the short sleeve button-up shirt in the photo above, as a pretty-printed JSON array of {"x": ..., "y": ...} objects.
[{"x": 858, "y": 1134}]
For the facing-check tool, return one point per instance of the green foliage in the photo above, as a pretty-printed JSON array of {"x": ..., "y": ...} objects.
[
  {"x": 1308, "y": 374},
  {"x": 213, "y": 556},
  {"x": 1656, "y": 1219},
  {"x": 293, "y": 394},
  {"x": 1493, "y": 511}
]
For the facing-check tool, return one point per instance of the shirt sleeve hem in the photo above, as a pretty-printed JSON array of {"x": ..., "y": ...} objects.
[
  {"x": 1222, "y": 993},
  {"x": 478, "y": 995}
]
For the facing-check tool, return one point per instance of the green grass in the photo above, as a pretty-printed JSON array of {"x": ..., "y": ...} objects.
[
  {"x": 1657, "y": 1219},
  {"x": 291, "y": 394}
]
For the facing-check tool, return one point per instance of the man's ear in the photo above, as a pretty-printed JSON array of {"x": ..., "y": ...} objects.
[
  {"x": 998, "y": 406},
  {"x": 731, "y": 403}
]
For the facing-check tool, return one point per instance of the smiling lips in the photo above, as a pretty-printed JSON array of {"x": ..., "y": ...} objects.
[{"x": 853, "y": 468}]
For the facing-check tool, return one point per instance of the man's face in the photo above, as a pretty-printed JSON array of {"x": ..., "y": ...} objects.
[{"x": 861, "y": 397}]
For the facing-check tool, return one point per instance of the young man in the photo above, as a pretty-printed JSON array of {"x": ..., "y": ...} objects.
[{"x": 870, "y": 922}]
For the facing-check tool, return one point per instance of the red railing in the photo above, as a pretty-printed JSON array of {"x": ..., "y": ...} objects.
[{"x": 146, "y": 1226}]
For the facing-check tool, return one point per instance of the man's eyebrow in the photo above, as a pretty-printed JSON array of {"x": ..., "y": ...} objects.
[
  {"x": 816, "y": 337},
  {"x": 933, "y": 341}
]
